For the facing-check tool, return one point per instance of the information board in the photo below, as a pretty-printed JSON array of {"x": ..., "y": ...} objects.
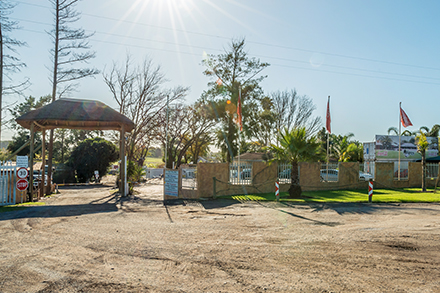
[
  {"x": 22, "y": 161},
  {"x": 171, "y": 183}
]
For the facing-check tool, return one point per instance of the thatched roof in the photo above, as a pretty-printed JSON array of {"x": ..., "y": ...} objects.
[{"x": 76, "y": 114}]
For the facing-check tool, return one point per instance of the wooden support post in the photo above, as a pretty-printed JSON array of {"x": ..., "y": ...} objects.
[
  {"x": 122, "y": 166},
  {"x": 31, "y": 165},
  {"x": 43, "y": 166}
]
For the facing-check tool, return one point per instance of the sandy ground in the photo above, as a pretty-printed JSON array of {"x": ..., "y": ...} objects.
[{"x": 86, "y": 239}]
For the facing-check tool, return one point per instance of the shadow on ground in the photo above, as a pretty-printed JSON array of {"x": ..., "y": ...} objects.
[
  {"x": 103, "y": 205},
  {"x": 362, "y": 208}
]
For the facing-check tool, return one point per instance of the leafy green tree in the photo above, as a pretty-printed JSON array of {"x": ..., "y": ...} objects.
[
  {"x": 353, "y": 153},
  {"x": 422, "y": 146},
  {"x": 295, "y": 146},
  {"x": 22, "y": 135},
  {"x": 189, "y": 126},
  {"x": 134, "y": 171},
  {"x": 262, "y": 128},
  {"x": 231, "y": 71},
  {"x": 90, "y": 155},
  {"x": 339, "y": 145}
]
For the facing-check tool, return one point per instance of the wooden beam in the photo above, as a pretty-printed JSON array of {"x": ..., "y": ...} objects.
[
  {"x": 43, "y": 165},
  {"x": 31, "y": 167},
  {"x": 122, "y": 165},
  {"x": 39, "y": 125}
]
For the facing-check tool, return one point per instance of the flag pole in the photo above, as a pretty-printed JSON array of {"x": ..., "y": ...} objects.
[
  {"x": 400, "y": 119},
  {"x": 328, "y": 135},
  {"x": 239, "y": 132},
  {"x": 328, "y": 150}
]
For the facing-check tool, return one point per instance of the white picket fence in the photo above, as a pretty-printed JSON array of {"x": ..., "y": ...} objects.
[{"x": 8, "y": 181}]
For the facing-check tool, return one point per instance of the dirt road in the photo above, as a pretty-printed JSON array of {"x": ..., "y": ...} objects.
[{"x": 87, "y": 240}]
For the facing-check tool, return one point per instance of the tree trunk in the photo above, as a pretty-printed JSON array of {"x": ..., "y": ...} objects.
[
  {"x": 54, "y": 93},
  {"x": 230, "y": 141},
  {"x": 295, "y": 189},
  {"x": 1, "y": 82}
]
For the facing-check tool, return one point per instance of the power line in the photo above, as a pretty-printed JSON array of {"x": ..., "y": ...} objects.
[
  {"x": 250, "y": 42},
  {"x": 268, "y": 57},
  {"x": 354, "y": 74}
]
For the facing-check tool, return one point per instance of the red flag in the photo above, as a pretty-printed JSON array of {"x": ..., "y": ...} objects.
[
  {"x": 328, "y": 119},
  {"x": 240, "y": 122},
  {"x": 404, "y": 118}
]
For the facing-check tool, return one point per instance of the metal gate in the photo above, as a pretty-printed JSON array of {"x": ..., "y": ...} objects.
[
  {"x": 188, "y": 177},
  {"x": 8, "y": 180}
]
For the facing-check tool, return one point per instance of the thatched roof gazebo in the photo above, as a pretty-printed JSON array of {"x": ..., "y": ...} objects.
[{"x": 77, "y": 114}]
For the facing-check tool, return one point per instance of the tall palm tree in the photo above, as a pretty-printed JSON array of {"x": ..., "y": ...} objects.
[
  {"x": 433, "y": 132},
  {"x": 339, "y": 144},
  {"x": 393, "y": 129},
  {"x": 353, "y": 153},
  {"x": 422, "y": 146},
  {"x": 296, "y": 145},
  {"x": 396, "y": 131}
]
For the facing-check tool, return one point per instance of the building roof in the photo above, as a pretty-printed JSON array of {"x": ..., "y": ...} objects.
[
  {"x": 251, "y": 157},
  {"x": 76, "y": 114}
]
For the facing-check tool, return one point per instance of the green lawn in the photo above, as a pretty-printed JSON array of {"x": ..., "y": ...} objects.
[
  {"x": 379, "y": 195},
  {"x": 19, "y": 206},
  {"x": 151, "y": 160}
]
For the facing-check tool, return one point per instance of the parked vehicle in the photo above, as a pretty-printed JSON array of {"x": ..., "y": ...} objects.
[
  {"x": 329, "y": 175},
  {"x": 365, "y": 176},
  {"x": 37, "y": 178}
]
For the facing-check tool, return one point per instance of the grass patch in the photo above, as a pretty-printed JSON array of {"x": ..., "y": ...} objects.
[
  {"x": 20, "y": 206},
  {"x": 154, "y": 161},
  {"x": 379, "y": 196}
]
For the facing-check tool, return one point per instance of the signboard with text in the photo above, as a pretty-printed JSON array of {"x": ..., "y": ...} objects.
[
  {"x": 22, "y": 161},
  {"x": 22, "y": 184},
  {"x": 171, "y": 183}
]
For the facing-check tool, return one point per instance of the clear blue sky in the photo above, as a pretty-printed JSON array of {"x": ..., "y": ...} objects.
[{"x": 367, "y": 55}]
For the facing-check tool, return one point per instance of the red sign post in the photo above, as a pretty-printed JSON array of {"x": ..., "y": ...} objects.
[
  {"x": 22, "y": 184},
  {"x": 277, "y": 190}
]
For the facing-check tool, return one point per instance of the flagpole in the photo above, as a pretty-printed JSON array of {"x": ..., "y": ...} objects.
[
  {"x": 400, "y": 119},
  {"x": 328, "y": 151},
  {"x": 328, "y": 134},
  {"x": 239, "y": 132}
]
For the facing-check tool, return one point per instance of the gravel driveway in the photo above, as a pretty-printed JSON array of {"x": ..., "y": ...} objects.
[{"x": 86, "y": 239}]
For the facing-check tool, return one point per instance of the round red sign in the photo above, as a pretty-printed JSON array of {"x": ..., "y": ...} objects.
[
  {"x": 22, "y": 173},
  {"x": 22, "y": 184}
]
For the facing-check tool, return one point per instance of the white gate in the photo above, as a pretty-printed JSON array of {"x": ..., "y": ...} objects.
[{"x": 8, "y": 181}]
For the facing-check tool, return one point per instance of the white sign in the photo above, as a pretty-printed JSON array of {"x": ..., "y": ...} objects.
[
  {"x": 22, "y": 173},
  {"x": 22, "y": 161},
  {"x": 171, "y": 183}
]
